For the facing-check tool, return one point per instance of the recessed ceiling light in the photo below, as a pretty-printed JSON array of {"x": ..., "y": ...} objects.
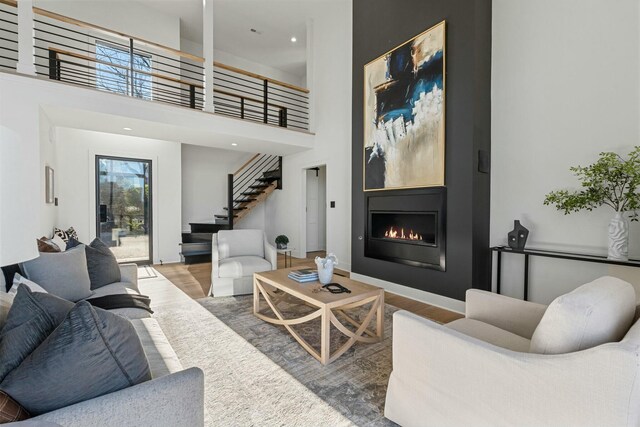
[
  {"x": 293, "y": 39},
  {"x": 127, "y": 129},
  {"x": 234, "y": 144}
]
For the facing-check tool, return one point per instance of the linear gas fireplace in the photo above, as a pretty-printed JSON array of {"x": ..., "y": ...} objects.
[{"x": 408, "y": 229}]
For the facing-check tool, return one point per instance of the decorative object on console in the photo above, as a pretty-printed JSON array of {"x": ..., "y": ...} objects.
[
  {"x": 282, "y": 241},
  {"x": 49, "y": 184},
  {"x": 518, "y": 236},
  {"x": 404, "y": 114},
  {"x": 325, "y": 268},
  {"x": 611, "y": 181}
]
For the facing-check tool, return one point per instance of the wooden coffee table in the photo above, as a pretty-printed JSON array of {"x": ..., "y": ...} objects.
[{"x": 275, "y": 288}]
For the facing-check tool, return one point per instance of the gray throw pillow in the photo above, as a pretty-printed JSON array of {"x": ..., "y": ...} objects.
[
  {"x": 32, "y": 317},
  {"x": 101, "y": 263},
  {"x": 92, "y": 353},
  {"x": 63, "y": 274}
]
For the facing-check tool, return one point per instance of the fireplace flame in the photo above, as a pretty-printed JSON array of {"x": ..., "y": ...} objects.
[{"x": 394, "y": 233}]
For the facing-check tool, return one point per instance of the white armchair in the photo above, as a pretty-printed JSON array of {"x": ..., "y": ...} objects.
[
  {"x": 235, "y": 256},
  {"x": 506, "y": 363}
]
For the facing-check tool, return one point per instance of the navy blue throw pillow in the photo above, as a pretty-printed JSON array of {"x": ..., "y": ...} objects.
[
  {"x": 92, "y": 353},
  {"x": 32, "y": 317},
  {"x": 101, "y": 263}
]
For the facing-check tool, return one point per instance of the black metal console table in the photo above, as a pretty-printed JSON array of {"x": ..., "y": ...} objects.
[{"x": 550, "y": 254}]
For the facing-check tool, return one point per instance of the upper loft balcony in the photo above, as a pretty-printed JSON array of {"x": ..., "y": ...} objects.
[{"x": 61, "y": 48}]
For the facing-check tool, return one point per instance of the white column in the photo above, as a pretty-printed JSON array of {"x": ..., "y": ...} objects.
[
  {"x": 26, "y": 50},
  {"x": 310, "y": 83},
  {"x": 207, "y": 53}
]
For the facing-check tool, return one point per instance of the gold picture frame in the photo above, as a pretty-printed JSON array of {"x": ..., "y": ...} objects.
[{"x": 404, "y": 114}]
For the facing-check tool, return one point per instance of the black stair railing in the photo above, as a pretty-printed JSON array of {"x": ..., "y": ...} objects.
[{"x": 250, "y": 182}]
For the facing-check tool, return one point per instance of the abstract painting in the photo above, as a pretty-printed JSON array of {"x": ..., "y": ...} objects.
[{"x": 404, "y": 114}]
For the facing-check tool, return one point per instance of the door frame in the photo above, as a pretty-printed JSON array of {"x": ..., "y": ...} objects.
[
  {"x": 150, "y": 232},
  {"x": 302, "y": 252}
]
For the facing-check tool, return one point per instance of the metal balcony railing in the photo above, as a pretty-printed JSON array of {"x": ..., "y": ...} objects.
[
  {"x": 254, "y": 97},
  {"x": 8, "y": 35},
  {"x": 80, "y": 53}
]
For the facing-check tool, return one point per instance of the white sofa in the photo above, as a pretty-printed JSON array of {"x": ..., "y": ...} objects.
[
  {"x": 479, "y": 371},
  {"x": 174, "y": 396},
  {"x": 235, "y": 256}
]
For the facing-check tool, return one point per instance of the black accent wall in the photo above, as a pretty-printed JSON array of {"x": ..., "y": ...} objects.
[{"x": 380, "y": 25}]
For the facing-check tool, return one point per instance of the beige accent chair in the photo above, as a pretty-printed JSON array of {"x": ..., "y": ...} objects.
[
  {"x": 515, "y": 363},
  {"x": 235, "y": 256}
]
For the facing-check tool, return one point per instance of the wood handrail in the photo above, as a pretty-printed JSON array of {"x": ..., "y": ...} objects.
[
  {"x": 98, "y": 28},
  {"x": 159, "y": 76},
  {"x": 246, "y": 164},
  {"x": 97, "y": 61},
  {"x": 260, "y": 77},
  {"x": 13, "y": 3},
  {"x": 248, "y": 98},
  {"x": 107, "y": 31}
]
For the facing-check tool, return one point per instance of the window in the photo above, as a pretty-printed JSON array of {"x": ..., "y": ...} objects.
[{"x": 115, "y": 77}]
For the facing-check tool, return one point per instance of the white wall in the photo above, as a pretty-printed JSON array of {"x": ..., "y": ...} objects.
[
  {"x": 322, "y": 207},
  {"x": 75, "y": 176},
  {"x": 204, "y": 181},
  {"x": 49, "y": 211},
  {"x": 19, "y": 177},
  {"x": 330, "y": 86},
  {"x": 565, "y": 83},
  {"x": 226, "y": 58},
  {"x": 127, "y": 17}
]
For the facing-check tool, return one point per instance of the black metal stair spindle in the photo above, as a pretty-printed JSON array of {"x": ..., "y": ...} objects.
[
  {"x": 230, "y": 212},
  {"x": 266, "y": 100},
  {"x": 131, "y": 79}
]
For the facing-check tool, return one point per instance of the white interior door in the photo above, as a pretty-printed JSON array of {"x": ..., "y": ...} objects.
[{"x": 313, "y": 243}]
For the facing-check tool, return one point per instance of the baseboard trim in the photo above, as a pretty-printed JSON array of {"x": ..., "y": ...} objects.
[{"x": 414, "y": 294}]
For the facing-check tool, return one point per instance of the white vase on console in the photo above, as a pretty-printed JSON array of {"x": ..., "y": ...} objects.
[{"x": 619, "y": 238}]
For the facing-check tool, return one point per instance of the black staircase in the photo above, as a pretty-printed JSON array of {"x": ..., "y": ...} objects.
[{"x": 248, "y": 186}]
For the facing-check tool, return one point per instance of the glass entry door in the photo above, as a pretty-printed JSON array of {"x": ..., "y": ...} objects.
[{"x": 123, "y": 211}]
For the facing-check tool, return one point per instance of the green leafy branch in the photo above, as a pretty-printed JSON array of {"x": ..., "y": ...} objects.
[{"x": 610, "y": 181}]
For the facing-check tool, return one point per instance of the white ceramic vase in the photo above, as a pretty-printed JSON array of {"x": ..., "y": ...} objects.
[
  {"x": 325, "y": 268},
  {"x": 619, "y": 238}
]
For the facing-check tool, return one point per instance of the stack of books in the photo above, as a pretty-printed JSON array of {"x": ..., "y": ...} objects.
[{"x": 304, "y": 275}]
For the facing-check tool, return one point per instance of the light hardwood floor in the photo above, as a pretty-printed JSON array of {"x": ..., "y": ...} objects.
[{"x": 195, "y": 281}]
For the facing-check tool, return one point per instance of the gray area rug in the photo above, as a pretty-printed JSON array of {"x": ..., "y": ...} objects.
[
  {"x": 243, "y": 387},
  {"x": 355, "y": 384}
]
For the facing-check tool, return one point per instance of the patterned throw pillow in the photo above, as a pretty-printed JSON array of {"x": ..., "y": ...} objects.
[
  {"x": 47, "y": 245},
  {"x": 59, "y": 242},
  {"x": 66, "y": 235},
  {"x": 10, "y": 410}
]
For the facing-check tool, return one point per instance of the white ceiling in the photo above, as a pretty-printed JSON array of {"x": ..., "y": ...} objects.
[{"x": 275, "y": 20}]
